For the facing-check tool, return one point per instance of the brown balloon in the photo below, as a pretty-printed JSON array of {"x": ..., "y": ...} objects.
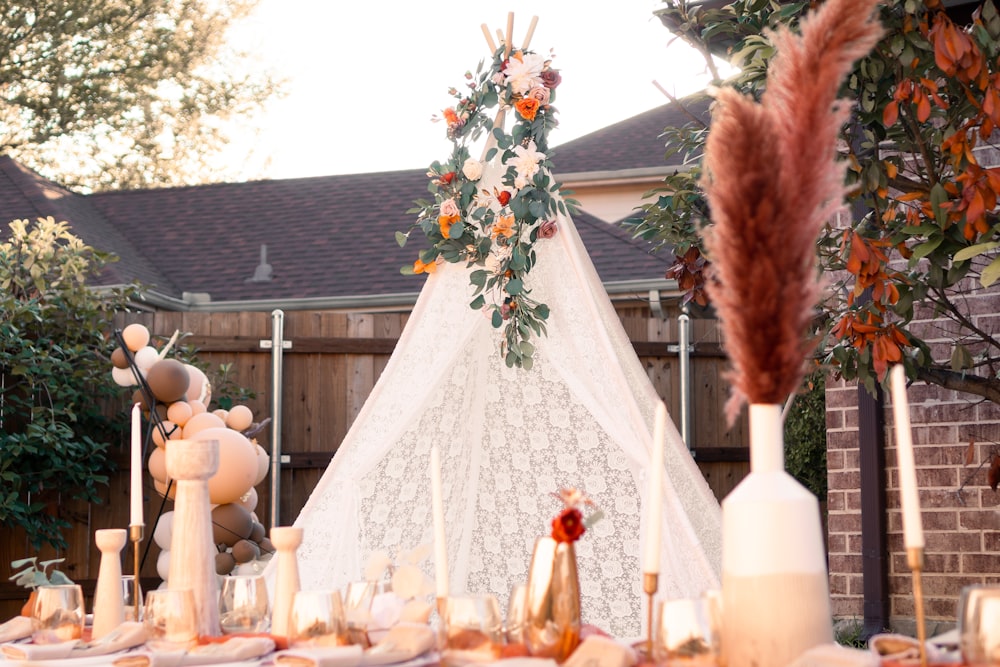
[
  {"x": 265, "y": 546},
  {"x": 224, "y": 563},
  {"x": 230, "y": 524},
  {"x": 139, "y": 397},
  {"x": 245, "y": 551},
  {"x": 168, "y": 379},
  {"x": 119, "y": 359},
  {"x": 258, "y": 532}
]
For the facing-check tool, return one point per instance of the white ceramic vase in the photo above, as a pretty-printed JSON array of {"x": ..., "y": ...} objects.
[
  {"x": 190, "y": 463},
  {"x": 109, "y": 605},
  {"x": 286, "y": 541},
  {"x": 775, "y": 588}
]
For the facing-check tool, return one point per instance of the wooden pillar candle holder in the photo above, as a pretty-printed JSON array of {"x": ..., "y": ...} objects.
[
  {"x": 109, "y": 606},
  {"x": 190, "y": 463}
]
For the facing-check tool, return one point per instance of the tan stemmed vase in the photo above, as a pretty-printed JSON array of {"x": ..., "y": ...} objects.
[
  {"x": 286, "y": 541},
  {"x": 109, "y": 604},
  {"x": 190, "y": 463},
  {"x": 552, "y": 617}
]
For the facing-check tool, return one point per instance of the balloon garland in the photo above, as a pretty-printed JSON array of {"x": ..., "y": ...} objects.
[{"x": 175, "y": 399}]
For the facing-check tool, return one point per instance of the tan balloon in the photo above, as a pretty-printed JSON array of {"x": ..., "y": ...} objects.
[
  {"x": 200, "y": 422},
  {"x": 161, "y": 488},
  {"x": 180, "y": 412},
  {"x": 146, "y": 357},
  {"x": 237, "y": 464},
  {"x": 172, "y": 430},
  {"x": 123, "y": 377},
  {"x": 199, "y": 383},
  {"x": 221, "y": 414},
  {"x": 197, "y": 407},
  {"x": 136, "y": 336},
  {"x": 240, "y": 418},
  {"x": 249, "y": 499},
  {"x": 157, "y": 465},
  {"x": 263, "y": 465}
]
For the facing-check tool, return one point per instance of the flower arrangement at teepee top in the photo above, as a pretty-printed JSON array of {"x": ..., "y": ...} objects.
[
  {"x": 496, "y": 227},
  {"x": 773, "y": 180}
]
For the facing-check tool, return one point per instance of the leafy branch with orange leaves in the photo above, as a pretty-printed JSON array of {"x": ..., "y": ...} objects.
[{"x": 909, "y": 265}]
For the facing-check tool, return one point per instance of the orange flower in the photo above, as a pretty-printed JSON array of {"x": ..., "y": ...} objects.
[
  {"x": 568, "y": 526},
  {"x": 424, "y": 267},
  {"x": 445, "y": 222},
  {"x": 527, "y": 107},
  {"x": 450, "y": 116},
  {"x": 504, "y": 226}
]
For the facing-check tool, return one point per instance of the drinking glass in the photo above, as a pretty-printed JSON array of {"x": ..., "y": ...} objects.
[
  {"x": 243, "y": 604},
  {"x": 517, "y": 607},
  {"x": 131, "y": 595},
  {"x": 317, "y": 619},
  {"x": 170, "y": 620},
  {"x": 687, "y": 633},
  {"x": 473, "y": 630},
  {"x": 979, "y": 624},
  {"x": 357, "y": 601},
  {"x": 58, "y": 614}
]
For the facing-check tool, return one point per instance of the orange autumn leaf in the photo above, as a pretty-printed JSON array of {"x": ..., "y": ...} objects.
[
  {"x": 890, "y": 114},
  {"x": 424, "y": 267}
]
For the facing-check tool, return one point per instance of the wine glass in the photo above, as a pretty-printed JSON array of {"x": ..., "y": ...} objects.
[
  {"x": 243, "y": 606},
  {"x": 473, "y": 630},
  {"x": 317, "y": 619},
  {"x": 516, "y": 610},
  {"x": 131, "y": 597},
  {"x": 358, "y": 597},
  {"x": 687, "y": 632},
  {"x": 170, "y": 620},
  {"x": 58, "y": 614},
  {"x": 979, "y": 624}
]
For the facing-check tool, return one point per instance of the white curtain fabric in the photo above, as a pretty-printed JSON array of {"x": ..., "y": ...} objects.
[{"x": 582, "y": 417}]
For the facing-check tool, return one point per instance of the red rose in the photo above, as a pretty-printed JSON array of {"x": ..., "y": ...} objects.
[
  {"x": 568, "y": 526},
  {"x": 503, "y": 198},
  {"x": 447, "y": 178}
]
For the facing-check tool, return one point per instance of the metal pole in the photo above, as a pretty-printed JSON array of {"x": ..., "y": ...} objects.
[
  {"x": 684, "y": 354},
  {"x": 277, "y": 348}
]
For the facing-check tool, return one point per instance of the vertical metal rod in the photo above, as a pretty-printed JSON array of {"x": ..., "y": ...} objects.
[
  {"x": 684, "y": 354},
  {"x": 277, "y": 347}
]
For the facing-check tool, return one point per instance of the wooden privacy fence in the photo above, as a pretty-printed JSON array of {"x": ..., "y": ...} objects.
[{"x": 328, "y": 371}]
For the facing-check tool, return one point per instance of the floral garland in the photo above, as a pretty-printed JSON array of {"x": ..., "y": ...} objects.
[{"x": 496, "y": 229}]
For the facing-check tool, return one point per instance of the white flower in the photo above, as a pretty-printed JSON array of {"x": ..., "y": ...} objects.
[
  {"x": 472, "y": 169},
  {"x": 525, "y": 160},
  {"x": 523, "y": 73}
]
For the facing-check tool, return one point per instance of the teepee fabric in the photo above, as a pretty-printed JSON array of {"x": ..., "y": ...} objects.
[{"x": 582, "y": 417}]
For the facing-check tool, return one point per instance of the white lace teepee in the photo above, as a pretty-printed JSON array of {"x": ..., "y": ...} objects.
[{"x": 581, "y": 416}]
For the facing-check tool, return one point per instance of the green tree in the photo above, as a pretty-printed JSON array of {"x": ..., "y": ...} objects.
[
  {"x": 102, "y": 94},
  {"x": 54, "y": 375},
  {"x": 925, "y": 243}
]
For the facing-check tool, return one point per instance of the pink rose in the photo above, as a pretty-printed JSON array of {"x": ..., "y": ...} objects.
[
  {"x": 449, "y": 207},
  {"x": 547, "y": 229},
  {"x": 540, "y": 93},
  {"x": 550, "y": 78}
]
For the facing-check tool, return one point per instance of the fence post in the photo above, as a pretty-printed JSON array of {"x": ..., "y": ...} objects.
[{"x": 277, "y": 350}]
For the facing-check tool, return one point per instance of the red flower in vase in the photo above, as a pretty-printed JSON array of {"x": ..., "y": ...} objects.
[{"x": 568, "y": 526}]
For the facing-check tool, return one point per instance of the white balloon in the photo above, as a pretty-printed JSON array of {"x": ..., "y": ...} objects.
[
  {"x": 163, "y": 564},
  {"x": 164, "y": 530},
  {"x": 146, "y": 357},
  {"x": 123, "y": 377}
]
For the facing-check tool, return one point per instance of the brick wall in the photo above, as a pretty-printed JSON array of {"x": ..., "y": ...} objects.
[{"x": 961, "y": 514}]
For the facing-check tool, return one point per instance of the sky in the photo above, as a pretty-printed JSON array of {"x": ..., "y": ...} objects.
[{"x": 364, "y": 78}]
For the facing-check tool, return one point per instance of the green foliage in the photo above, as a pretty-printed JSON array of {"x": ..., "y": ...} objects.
[
  {"x": 926, "y": 113},
  {"x": 805, "y": 436},
  {"x": 37, "y": 574},
  {"x": 122, "y": 93},
  {"x": 53, "y": 376}
]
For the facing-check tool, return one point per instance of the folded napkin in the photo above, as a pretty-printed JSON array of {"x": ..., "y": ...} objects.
[
  {"x": 600, "y": 651},
  {"x": 38, "y": 651},
  {"x": 835, "y": 655},
  {"x": 127, "y": 635},
  {"x": 901, "y": 648},
  {"x": 234, "y": 649},
  {"x": 16, "y": 628},
  {"x": 526, "y": 661},
  {"x": 404, "y": 641},
  {"x": 320, "y": 656}
]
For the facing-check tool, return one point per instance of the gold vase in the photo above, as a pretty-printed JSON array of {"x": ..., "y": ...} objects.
[{"x": 552, "y": 618}]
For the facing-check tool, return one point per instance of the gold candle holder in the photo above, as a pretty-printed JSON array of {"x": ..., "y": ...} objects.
[
  {"x": 915, "y": 559},
  {"x": 135, "y": 533},
  {"x": 650, "y": 584}
]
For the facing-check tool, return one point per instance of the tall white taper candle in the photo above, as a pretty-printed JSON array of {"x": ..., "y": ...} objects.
[
  {"x": 913, "y": 531},
  {"x": 135, "y": 518},
  {"x": 654, "y": 494},
  {"x": 440, "y": 545}
]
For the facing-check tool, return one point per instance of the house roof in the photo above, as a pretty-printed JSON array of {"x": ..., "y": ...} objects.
[
  {"x": 325, "y": 237},
  {"x": 634, "y": 143}
]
